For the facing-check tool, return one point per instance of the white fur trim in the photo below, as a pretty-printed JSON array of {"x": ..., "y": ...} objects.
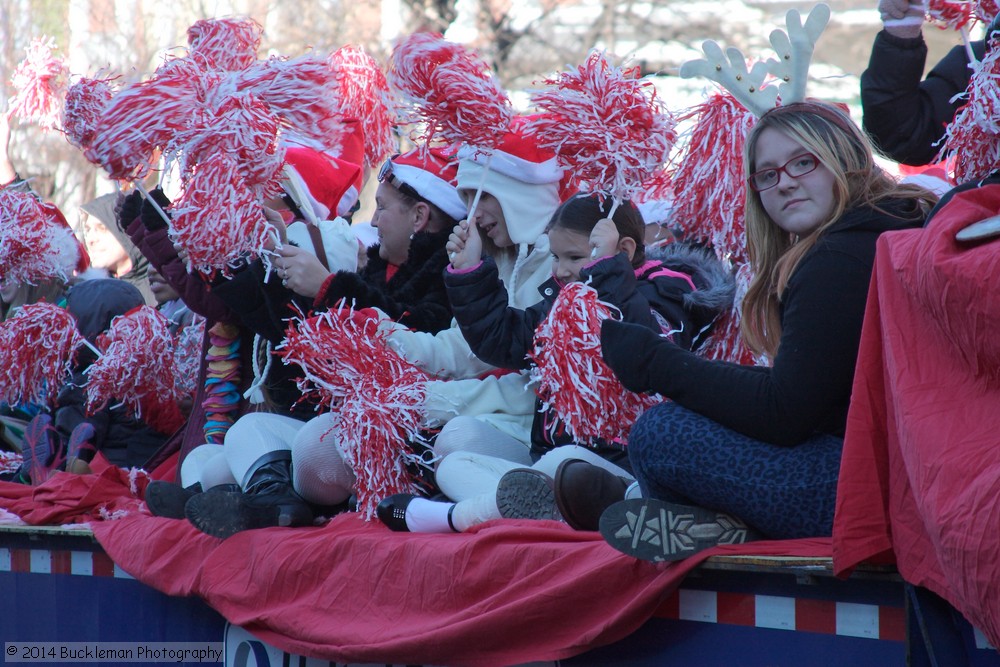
[
  {"x": 433, "y": 188},
  {"x": 516, "y": 167},
  {"x": 348, "y": 200},
  {"x": 300, "y": 193}
]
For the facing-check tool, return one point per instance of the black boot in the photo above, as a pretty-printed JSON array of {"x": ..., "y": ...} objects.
[
  {"x": 167, "y": 499},
  {"x": 268, "y": 500}
]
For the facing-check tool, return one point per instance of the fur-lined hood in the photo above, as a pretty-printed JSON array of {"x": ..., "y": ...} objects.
[{"x": 714, "y": 280}]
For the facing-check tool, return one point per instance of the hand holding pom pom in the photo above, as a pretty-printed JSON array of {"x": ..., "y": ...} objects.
[
  {"x": 604, "y": 239},
  {"x": 465, "y": 246}
]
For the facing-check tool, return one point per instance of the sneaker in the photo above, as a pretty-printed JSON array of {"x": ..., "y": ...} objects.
[
  {"x": 37, "y": 451},
  {"x": 526, "y": 493},
  {"x": 655, "y": 530}
]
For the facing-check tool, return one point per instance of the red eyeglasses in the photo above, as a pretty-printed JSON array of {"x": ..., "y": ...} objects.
[{"x": 798, "y": 166}]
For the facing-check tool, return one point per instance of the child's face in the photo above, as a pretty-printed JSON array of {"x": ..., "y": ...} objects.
[
  {"x": 570, "y": 253},
  {"x": 491, "y": 221},
  {"x": 161, "y": 290}
]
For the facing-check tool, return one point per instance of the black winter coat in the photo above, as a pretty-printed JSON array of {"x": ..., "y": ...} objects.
[
  {"x": 654, "y": 296},
  {"x": 807, "y": 389},
  {"x": 264, "y": 307},
  {"x": 415, "y": 294},
  {"x": 905, "y": 116}
]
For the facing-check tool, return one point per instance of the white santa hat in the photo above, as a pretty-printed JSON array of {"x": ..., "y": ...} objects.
[
  {"x": 431, "y": 173},
  {"x": 526, "y": 180}
]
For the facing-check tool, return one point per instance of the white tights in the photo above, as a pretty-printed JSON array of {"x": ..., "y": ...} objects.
[{"x": 471, "y": 479}]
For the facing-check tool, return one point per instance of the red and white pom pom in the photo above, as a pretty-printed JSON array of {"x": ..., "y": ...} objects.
[
  {"x": 364, "y": 93},
  {"x": 37, "y": 350},
  {"x": 573, "y": 379},
  {"x": 218, "y": 217},
  {"x": 303, "y": 93},
  {"x": 35, "y": 243},
  {"x": 709, "y": 186},
  {"x": 136, "y": 363},
  {"x": 973, "y": 137},
  {"x": 229, "y": 44},
  {"x": 986, "y": 10},
  {"x": 243, "y": 127},
  {"x": 147, "y": 115},
  {"x": 726, "y": 342},
  {"x": 86, "y": 101},
  {"x": 377, "y": 397},
  {"x": 188, "y": 357},
  {"x": 610, "y": 130},
  {"x": 949, "y": 14},
  {"x": 40, "y": 80},
  {"x": 449, "y": 89}
]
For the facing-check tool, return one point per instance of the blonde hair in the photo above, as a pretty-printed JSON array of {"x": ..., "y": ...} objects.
[{"x": 774, "y": 254}]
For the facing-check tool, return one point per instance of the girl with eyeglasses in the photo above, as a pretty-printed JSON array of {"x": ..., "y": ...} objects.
[{"x": 738, "y": 450}]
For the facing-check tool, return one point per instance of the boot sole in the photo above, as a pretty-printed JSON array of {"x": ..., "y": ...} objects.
[
  {"x": 654, "y": 530},
  {"x": 527, "y": 494},
  {"x": 168, "y": 500},
  {"x": 225, "y": 514}
]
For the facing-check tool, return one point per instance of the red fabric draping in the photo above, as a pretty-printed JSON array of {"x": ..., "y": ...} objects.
[
  {"x": 67, "y": 498},
  {"x": 352, "y": 591},
  {"x": 920, "y": 477},
  {"x": 509, "y": 592}
]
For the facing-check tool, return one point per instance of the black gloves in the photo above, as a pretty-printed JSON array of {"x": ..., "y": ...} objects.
[
  {"x": 128, "y": 209},
  {"x": 151, "y": 218},
  {"x": 629, "y": 349}
]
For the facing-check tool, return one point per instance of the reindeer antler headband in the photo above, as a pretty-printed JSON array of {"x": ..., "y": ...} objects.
[{"x": 794, "y": 49}]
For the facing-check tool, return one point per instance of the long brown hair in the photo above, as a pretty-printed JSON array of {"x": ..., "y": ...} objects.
[{"x": 774, "y": 254}]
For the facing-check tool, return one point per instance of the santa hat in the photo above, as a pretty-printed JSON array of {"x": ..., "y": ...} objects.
[
  {"x": 432, "y": 174},
  {"x": 517, "y": 156},
  {"x": 330, "y": 185},
  {"x": 527, "y": 181},
  {"x": 353, "y": 142},
  {"x": 73, "y": 254}
]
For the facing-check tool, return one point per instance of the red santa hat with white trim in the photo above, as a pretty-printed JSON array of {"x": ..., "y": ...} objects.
[
  {"x": 71, "y": 251},
  {"x": 526, "y": 180},
  {"x": 330, "y": 185},
  {"x": 432, "y": 174}
]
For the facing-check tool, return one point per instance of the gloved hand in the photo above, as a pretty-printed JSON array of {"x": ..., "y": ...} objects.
[
  {"x": 151, "y": 218},
  {"x": 128, "y": 209},
  {"x": 628, "y": 350},
  {"x": 902, "y": 18}
]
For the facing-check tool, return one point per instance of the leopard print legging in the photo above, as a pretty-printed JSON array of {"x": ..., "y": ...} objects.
[{"x": 784, "y": 492}]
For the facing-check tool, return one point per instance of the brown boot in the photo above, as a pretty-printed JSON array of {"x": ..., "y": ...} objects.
[{"x": 583, "y": 491}]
